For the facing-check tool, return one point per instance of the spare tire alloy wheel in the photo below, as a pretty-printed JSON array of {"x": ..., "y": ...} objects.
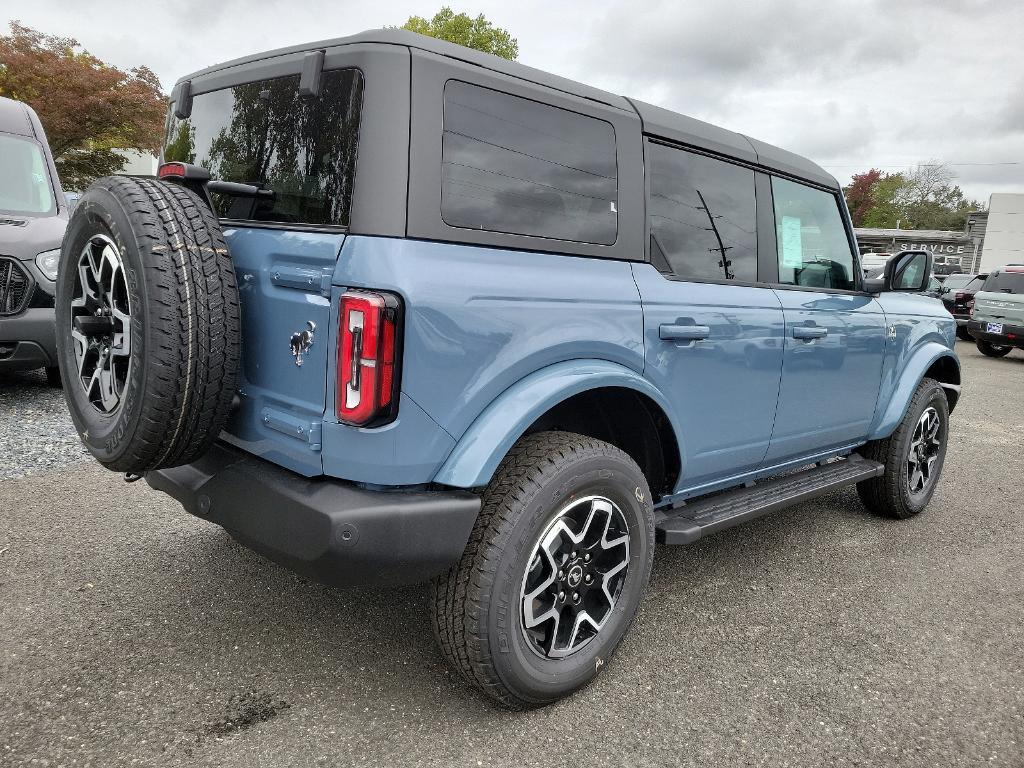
[
  {"x": 148, "y": 336},
  {"x": 574, "y": 577},
  {"x": 101, "y": 323}
]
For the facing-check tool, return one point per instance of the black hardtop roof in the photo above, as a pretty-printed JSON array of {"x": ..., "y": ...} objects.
[
  {"x": 15, "y": 118},
  {"x": 656, "y": 120}
]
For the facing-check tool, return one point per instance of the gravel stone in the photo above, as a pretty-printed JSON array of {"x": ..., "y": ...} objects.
[{"x": 36, "y": 433}]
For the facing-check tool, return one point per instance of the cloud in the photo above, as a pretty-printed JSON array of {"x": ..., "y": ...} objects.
[{"x": 850, "y": 83}]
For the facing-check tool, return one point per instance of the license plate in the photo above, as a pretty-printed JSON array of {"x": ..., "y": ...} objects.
[{"x": 994, "y": 328}]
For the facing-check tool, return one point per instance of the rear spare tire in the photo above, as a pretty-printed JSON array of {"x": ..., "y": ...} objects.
[{"x": 147, "y": 324}]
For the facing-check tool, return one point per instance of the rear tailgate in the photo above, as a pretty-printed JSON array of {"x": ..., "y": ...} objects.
[{"x": 284, "y": 288}]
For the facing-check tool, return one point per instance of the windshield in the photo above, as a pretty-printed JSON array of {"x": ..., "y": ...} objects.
[
  {"x": 24, "y": 181},
  {"x": 1005, "y": 282},
  {"x": 267, "y": 135}
]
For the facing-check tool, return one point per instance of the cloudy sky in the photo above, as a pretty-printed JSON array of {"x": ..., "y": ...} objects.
[{"x": 851, "y": 84}]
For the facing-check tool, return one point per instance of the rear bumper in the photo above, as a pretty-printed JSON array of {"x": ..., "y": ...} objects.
[
  {"x": 327, "y": 530},
  {"x": 1013, "y": 335},
  {"x": 27, "y": 340}
]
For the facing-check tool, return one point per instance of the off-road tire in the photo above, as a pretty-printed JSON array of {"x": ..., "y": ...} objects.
[
  {"x": 475, "y": 605},
  {"x": 993, "y": 350},
  {"x": 185, "y": 338},
  {"x": 889, "y": 494}
]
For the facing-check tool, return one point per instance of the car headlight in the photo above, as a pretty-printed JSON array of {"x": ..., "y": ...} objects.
[{"x": 47, "y": 262}]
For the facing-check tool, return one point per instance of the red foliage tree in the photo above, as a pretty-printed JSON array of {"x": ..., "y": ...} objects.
[
  {"x": 88, "y": 108},
  {"x": 859, "y": 194}
]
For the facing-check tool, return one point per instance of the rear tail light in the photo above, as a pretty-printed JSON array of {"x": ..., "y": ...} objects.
[
  {"x": 970, "y": 307},
  {"x": 369, "y": 336},
  {"x": 171, "y": 171}
]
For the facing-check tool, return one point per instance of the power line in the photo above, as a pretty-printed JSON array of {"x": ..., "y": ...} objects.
[{"x": 921, "y": 165}]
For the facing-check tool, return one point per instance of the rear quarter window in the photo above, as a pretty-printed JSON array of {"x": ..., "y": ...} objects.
[
  {"x": 266, "y": 134},
  {"x": 1005, "y": 282},
  {"x": 518, "y": 166}
]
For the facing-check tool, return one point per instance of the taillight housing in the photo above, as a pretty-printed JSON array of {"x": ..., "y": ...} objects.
[
  {"x": 970, "y": 306},
  {"x": 171, "y": 170},
  {"x": 369, "y": 358}
]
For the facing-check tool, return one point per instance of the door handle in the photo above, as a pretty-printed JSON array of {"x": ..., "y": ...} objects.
[
  {"x": 673, "y": 332},
  {"x": 809, "y": 332}
]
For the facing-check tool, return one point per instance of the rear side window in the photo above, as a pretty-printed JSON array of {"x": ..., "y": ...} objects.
[
  {"x": 702, "y": 215},
  {"x": 958, "y": 281},
  {"x": 975, "y": 284},
  {"x": 264, "y": 133},
  {"x": 1005, "y": 282},
  {"x": 813, "y": 248},
  {"x": 520, "y": 167}
]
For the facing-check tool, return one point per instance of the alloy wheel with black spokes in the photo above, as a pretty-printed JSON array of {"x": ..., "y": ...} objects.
[
  {"x": 553, "y": 573},
  {"x": 101, "y": 323},
  {"x": 912, "y": 456},
  {"x": 925, "y": 448},
  {"x": 574, "y": 576}
]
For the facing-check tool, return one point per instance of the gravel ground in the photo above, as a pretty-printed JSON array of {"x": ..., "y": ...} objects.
[
  {"x": 133, "y": 634},
  {"x": 35, "y": 429}
]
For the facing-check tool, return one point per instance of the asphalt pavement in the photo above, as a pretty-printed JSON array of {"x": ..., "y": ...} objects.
[{"x": 134, "y": 634}]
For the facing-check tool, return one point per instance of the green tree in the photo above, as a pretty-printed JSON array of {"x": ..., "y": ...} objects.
[
  {"x": 88, "y": 108},
  {"x": 183, "y": 146},
  {"x": 883, "y": 211},
  {"x": 459, "y": 28},
  {"x": 923, "y": 197}
]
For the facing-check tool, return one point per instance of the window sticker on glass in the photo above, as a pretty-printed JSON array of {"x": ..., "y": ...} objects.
[{"x": 792, "y": 249}]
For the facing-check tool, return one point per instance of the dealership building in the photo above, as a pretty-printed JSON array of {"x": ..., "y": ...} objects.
[{"x": 991, "y": 238}]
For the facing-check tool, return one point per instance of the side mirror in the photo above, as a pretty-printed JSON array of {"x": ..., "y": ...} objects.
[{"x": 908, "y": 271}]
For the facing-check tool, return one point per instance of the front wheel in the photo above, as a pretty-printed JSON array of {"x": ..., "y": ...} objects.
[
  {"x": 913, "y": 456},
  {"x": 553, "y": 573},
  {"x": 993, "y": 350}
]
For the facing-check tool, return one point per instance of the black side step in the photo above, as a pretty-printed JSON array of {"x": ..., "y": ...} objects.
[{"x": 695, "y": 519}]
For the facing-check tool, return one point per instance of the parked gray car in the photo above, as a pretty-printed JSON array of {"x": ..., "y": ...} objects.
[{"x": 33, "y": 217}]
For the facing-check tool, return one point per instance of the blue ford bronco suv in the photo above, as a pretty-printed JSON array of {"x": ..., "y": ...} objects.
[{"x": 398, "y": 311}]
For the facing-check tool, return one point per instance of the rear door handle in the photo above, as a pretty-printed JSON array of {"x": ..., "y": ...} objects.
[
  {"x": 809, "y": 332},
  {"x": 672, "y": 332}
]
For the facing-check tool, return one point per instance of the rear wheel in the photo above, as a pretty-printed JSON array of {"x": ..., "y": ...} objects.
[
  {"x": 963, "y": 333},
  {"x": 53, "y": 377},
  {"x": 554, "y": 571},
  {"x": 913, "y": 456},
  {"x": 993, "y": 350}
]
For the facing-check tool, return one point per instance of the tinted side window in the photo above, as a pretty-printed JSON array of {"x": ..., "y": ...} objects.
[
  {"x": 518, "y": 166},
  {"x": 266, "y": 134},
  {"x": 702, "y": 214},
  {"x": 975, "y": 284},
  {"x": 812, "y": 244},
  {"x": 1005, "y": 282},
  {"x": 957, "y": 281}
]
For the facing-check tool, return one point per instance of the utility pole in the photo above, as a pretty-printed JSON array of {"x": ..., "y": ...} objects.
[{"x": 725, "y": 263}]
